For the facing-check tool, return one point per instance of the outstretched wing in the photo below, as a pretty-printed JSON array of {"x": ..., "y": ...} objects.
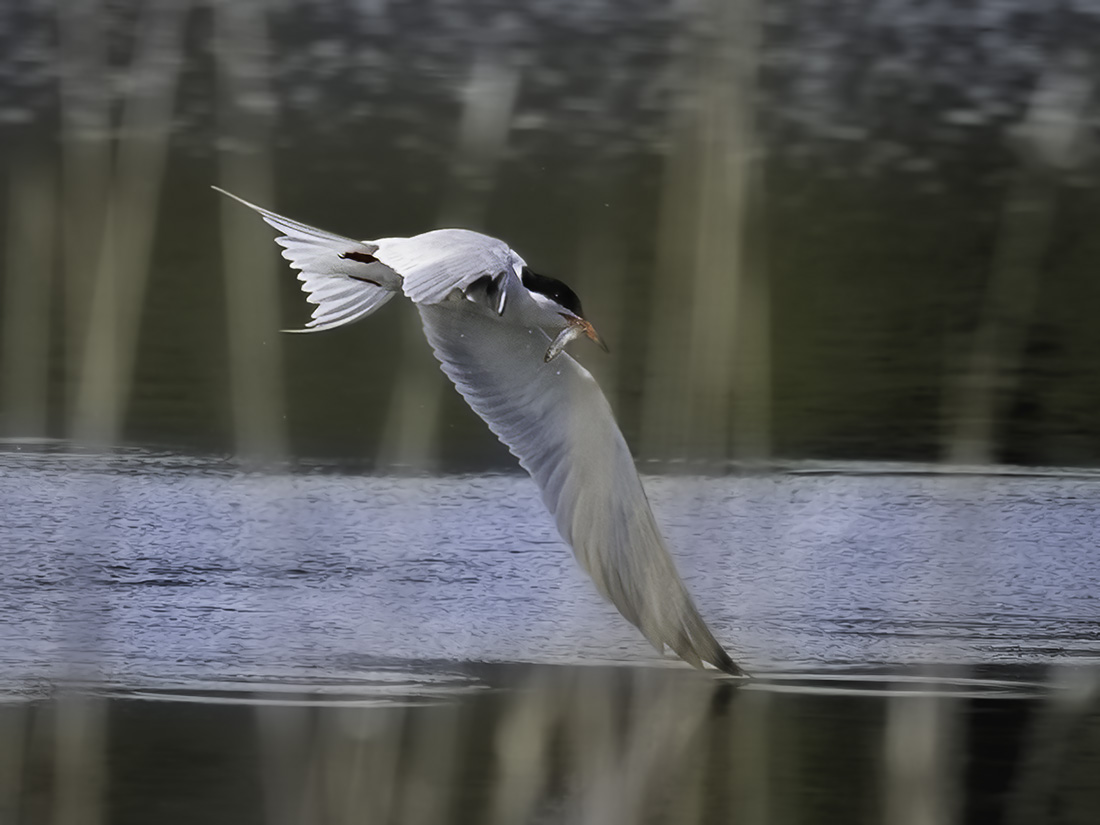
[
  {"x": 556, "y": 421},
  {"x": 339, "y": 274}
]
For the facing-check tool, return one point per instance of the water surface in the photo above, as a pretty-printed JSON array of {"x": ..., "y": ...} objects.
[
  {"x": 223, "y": 645},
  {"x": 143, "y": 566}
]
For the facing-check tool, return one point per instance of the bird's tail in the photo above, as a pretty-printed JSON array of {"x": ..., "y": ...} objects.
[{"x": 340, "y": 275}]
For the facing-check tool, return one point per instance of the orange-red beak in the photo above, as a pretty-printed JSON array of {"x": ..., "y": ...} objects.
[{"x": 588, "y": 330}]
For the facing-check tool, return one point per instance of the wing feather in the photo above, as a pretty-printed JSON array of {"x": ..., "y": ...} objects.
[
  {"x": 434, "y": 263},
  {"x": 555, "y": 420}
]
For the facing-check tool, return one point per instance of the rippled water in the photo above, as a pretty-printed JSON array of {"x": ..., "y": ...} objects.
[
  {"x": 187, "y": 640},
  {"x": 141, "y": 567}
]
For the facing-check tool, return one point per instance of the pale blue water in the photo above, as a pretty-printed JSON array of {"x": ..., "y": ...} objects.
[{"x": 142, "y": 568}]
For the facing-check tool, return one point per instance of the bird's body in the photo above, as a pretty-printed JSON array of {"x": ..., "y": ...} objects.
[{"x": 499, "y": 332}]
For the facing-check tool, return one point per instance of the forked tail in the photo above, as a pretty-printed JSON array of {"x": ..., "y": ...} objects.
[{"x": 340, "y": 275}]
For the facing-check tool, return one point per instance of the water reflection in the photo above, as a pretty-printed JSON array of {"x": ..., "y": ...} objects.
[
  {"x": 572, "y": 744},
  {"x": 811, "y": 234}
]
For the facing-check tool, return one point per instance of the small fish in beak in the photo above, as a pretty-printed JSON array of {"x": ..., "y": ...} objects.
[{"x": 575, "y": 328}]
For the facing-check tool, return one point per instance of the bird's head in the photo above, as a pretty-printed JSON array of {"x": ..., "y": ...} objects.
[{"x": 563, "y": 311}]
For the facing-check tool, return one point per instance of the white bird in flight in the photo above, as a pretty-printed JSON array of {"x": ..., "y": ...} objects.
[{"x": 499, "y": 331}]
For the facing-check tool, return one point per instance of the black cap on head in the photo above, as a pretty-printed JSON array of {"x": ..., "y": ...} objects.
[{"x": 554, "y": 289}]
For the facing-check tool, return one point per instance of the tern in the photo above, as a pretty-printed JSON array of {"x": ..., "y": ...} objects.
[{"x": 499, "y": 331}]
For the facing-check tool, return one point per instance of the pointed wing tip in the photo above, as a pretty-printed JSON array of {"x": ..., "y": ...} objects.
[
  {"x": 730, "y": 667},
  {"x": 695, "y": 654}
]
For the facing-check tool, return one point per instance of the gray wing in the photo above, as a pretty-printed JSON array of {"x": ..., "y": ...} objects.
[
  {"x": 339, "y": 274},
  {"x": 556, "y": 421}
]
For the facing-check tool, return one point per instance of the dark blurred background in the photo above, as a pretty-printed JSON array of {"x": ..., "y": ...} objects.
[{"x": 811, "y": 229}]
